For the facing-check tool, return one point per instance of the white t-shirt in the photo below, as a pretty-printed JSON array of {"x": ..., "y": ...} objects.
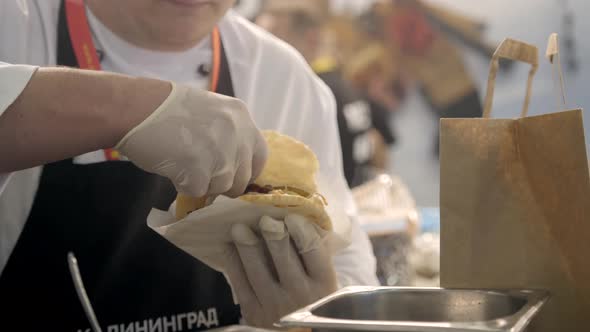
[{"x": 274, "y": 81}]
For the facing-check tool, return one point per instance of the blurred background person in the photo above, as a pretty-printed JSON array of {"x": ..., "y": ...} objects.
[
  {"x": 371, "y": 71},
  {"x": 408, "y": 30},
  {"x": 364, "y": 141}
]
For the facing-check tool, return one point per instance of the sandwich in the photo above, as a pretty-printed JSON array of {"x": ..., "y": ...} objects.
[{"x": 287, "y": 181}]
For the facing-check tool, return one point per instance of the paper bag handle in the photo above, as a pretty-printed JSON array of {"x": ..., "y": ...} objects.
[
  {"x": 514, "y": 50},
  {"x": 552, "y": 54}
]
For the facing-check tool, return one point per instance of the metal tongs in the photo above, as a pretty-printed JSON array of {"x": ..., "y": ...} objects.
[{"x": 81, "y": 291}]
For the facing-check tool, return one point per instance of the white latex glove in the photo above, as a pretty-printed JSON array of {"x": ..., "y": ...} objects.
[
  {"x": 273, "y": 276},
  {"x": 206, "y": 143}
]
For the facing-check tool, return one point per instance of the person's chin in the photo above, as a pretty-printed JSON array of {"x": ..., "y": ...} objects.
[
  {"x": 191, "y": 3},
  {"x": 195, "y": 9}
]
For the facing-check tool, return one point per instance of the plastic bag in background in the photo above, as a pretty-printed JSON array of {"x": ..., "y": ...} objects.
[
  {"x": 387, "y": 212},
  {"x": 424, "y": 260}
]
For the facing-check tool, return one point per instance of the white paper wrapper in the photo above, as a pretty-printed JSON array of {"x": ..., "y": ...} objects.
[{"x": 205, "y": 233}]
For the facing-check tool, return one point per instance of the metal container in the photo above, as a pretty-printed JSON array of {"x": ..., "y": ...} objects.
[{"x": 411, "y": 309}]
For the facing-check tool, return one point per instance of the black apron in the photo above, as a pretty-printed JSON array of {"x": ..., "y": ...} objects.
[
  {"x": 136, "y": 280},
  {"x": 356, "y": 169}
]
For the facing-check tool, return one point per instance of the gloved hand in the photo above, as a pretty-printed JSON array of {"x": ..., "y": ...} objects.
[
  {"x": 273, "y": 276},
  {"x": 206, "y": 143}
]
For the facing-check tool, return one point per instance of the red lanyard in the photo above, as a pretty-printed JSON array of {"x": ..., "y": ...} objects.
[{"x": 87, "y": 56}]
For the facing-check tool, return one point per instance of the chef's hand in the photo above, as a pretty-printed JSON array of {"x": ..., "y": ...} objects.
[
  {"x": 273, "y": 276},
  {"x": 206, "y": 143}
]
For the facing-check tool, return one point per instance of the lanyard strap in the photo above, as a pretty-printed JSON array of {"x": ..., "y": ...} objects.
[
  {"x": 216, "y": 61},
  {"x": 80, "y": 35}
]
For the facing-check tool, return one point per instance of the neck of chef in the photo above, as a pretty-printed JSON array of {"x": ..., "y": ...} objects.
[{"x": 144, "y": 32}]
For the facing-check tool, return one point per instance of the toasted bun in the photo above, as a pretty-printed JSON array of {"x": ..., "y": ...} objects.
[
  {"x": 291, "y": 164},
  {"x": 290, "y": 169},
  {"x": 313, "y": 208},
  {"x": 187, "y": 204}
]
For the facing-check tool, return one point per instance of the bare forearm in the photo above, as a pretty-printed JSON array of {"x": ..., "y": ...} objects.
[{"x": 64, "y": 112}]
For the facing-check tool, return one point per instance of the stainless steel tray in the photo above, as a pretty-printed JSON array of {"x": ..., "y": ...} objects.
[{"x": 412, "y": 309}]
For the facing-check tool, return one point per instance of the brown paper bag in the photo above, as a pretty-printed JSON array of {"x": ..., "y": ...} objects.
[{"x": 515, "y": 204}]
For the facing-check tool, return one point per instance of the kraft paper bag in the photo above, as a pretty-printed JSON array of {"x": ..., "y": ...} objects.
[{"x": 515, "y": 204}]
